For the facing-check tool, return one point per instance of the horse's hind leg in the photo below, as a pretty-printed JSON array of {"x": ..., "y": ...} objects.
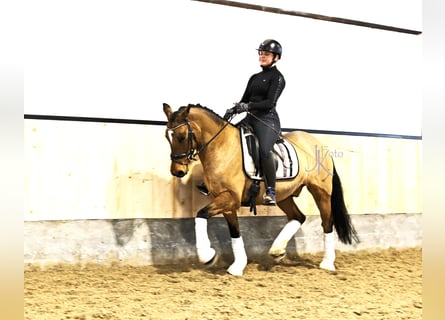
[
  {"x": 323, "y": 201},
  {"x": 295, "y": 220}
]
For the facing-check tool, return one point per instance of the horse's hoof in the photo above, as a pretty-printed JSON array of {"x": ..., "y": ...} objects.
[
  {"x": 211, "y": 262},
  {"x": 327, "y": 265},
  {"x": 235, "y": 271},
  {"x": 278, "y": 257},
  {"x": 206, "y": 255}
]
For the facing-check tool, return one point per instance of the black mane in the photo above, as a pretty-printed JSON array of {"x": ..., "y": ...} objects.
[{"x": 185, "y": 109}]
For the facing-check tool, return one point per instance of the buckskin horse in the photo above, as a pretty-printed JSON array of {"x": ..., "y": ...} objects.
[{"x": 195, "y": 130}]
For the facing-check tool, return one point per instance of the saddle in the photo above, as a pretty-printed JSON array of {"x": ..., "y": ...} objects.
[{"x": 285, "y": 156}]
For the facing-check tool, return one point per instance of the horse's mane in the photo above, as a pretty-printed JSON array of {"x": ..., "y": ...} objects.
[{"x": 183, "y": 111}]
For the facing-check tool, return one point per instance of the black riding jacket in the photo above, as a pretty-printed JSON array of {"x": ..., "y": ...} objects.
[{"x": 262, "y": 92}]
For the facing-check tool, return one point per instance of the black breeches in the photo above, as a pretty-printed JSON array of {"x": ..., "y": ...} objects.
[{"x": 266, "y": 139}]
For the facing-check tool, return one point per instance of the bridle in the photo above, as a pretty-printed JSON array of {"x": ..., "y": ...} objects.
[{"x": 191, "y": 152}]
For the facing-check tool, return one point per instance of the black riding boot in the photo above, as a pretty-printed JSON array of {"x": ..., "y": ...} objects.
[{"x": 269, "y": 172}]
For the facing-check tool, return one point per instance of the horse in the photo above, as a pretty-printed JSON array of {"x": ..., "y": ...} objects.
[{"x": 195, "y": 130}]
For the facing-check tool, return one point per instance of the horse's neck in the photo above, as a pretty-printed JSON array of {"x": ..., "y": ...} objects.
[{"x": 219, "y": 146}]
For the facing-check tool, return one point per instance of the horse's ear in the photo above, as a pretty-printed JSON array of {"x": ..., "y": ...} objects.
[{"x": 167, "y": 110}]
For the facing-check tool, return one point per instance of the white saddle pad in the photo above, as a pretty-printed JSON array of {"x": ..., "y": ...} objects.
[{"x": 285, "y": 157}]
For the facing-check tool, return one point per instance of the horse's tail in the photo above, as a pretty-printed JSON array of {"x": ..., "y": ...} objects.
[{"x": 342, "y": 221}]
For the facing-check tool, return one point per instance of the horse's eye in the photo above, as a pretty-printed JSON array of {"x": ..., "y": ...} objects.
[{"x": 181, "y": 138}]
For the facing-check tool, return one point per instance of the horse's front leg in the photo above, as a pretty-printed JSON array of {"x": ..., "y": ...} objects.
[
  {"x": 206, "y": 254},
  {"x": 224, "y": 204},
  {"x": 239, "y": 252}
]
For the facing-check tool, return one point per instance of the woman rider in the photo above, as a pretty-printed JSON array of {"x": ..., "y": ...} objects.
[{"x": 260, "y": 100}]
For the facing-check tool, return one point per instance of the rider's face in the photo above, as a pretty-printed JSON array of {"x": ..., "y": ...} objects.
[{"x": 266, "y": 58}]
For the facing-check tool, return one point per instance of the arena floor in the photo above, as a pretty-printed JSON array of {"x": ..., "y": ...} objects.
[{"x": 377, "y": 284}]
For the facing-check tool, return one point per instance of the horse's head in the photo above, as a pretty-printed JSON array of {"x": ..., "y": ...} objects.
[{"x": 179, "y": 134}]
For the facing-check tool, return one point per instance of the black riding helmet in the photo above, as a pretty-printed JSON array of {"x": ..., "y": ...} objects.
[{"x": 271, "y": 45}]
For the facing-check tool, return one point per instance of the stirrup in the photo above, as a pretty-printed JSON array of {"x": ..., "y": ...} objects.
[
  {"x": 269, "y": 197},
  {"x": 203, "y": 189}
]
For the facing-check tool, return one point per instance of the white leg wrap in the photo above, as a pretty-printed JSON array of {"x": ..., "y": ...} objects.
[
  {"x": 280, "y": 243},
  {"x": 239, "y": 252},
  {"x": 329, "y": 252},
  {"x": 205, "y": 252}
]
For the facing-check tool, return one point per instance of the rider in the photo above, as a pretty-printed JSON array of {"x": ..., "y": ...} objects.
[{"x": 260, "y": 100}]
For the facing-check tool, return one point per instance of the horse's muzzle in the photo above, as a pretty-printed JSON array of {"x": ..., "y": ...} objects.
[
  {"x": 178, "y": 170},
  {"x": 179, "y": 173}
]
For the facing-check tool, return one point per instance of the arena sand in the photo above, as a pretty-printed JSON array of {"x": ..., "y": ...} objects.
[{"x": 381, "y": 284}]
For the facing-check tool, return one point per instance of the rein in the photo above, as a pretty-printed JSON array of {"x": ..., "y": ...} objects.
[
  {"x": 191, "y": 153},
  {"x": 213, "y": 138}
]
